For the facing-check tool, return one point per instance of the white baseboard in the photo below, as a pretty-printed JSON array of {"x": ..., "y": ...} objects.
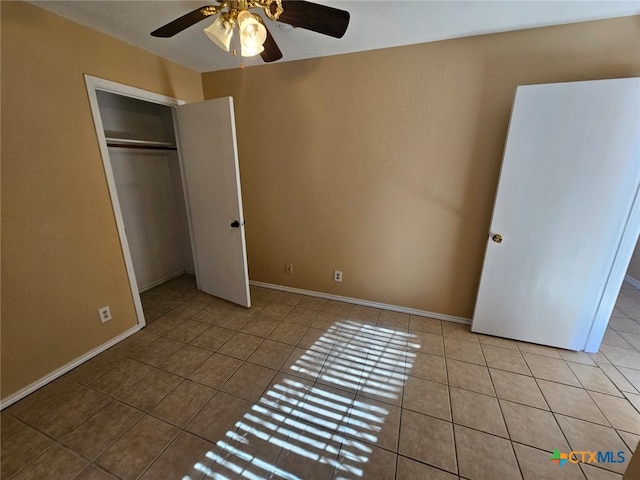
[
  {"x": 162, "y": 280},
  {"x": 366, "y": 303},
  {"x": 632, "y": 281},
  {"x": 13, "y": 398}
]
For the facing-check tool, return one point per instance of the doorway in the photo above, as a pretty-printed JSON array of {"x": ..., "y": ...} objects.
[
  {"x": 144, "y": 159},
  {"x": 137, "y": 139},
  {"x": 197, "y": 183}
]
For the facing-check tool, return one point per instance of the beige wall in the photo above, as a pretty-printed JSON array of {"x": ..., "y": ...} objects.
[
  {"x": 384, "y": 164},
  {"x": 634, "y": 266},
  {"x": 61, "y": 258}
]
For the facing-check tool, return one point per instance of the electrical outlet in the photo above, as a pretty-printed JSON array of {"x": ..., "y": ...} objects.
[
  {"x": 337, "y": 276},
  {"x": 289, "y": 268},
  {"x": 105, "y": 314}
]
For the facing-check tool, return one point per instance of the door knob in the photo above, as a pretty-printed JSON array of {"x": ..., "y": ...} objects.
[
  {"x": 497, "y": 238},
  {"x": 235, "y": 224}
]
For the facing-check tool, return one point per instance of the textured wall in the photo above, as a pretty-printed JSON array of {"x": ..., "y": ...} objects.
[
  {"x": 61, "y": 257},
  {"x": 384, "y": 164}
]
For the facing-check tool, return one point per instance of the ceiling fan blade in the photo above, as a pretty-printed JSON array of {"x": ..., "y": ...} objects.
[
  {"x": 271, "y": 52},
  {"x": 317, "y": 18},
  {"x": 184, "y": 22}
]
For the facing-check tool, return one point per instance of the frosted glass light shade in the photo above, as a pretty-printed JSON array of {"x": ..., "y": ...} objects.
[
  {"x": 220, "y": 32},
  {"x": 249, "y": 51},
  {"x": 252, "y": 34}
]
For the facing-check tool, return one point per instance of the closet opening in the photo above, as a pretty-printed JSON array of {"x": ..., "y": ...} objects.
[
  {"x": 173, "y": 176},
  {"x": 137, "y": 137},
  {"x": 142, "y": 149}
]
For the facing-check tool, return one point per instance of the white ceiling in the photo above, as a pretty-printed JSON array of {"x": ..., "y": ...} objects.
[{"x": 374, "y": 24}]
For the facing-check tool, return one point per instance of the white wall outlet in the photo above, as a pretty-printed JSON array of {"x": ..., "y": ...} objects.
[
  {"x": 289, "y": 268},
  {"x": 337, "y": 276},
  {"x": 105, "y": 314}
]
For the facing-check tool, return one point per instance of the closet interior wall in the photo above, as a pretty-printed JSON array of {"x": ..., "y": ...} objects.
[{"x": 144, "y": 159}]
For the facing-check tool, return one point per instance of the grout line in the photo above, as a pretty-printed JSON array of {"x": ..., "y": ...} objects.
[
  {"x": 17, "y": 472},
  {"x": 535, "y": 378},
  {"x": 565, "y": 414},
  {"x": 614, "y": 383},
  {"x": 504, "y": 420},
  {"x": 431, "y": 466},
  {"x": 555, "y": 415},
  {"x": 335, "y": 347},
  {"x": 596, "y": 465},
  {"x": 152, "y": 462},
  {"x": 453, "y": 428}
]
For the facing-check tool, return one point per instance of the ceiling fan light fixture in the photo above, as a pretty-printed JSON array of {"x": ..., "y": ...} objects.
[
  {"x": 252, "y": 34},
  {"x": 273, "y": 9},
  {"x": 250, "y": 51},
  {"x": 221, "y": 31}
]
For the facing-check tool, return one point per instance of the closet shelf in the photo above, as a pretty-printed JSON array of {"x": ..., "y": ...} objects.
[{"x": 146, "y": 144}]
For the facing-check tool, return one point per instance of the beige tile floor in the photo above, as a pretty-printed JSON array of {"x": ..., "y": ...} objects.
[{"x": 303, "y": 388}]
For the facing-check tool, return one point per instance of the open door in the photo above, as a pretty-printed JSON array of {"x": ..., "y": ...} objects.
[
  {"x": 209, "y": 158},
  {"x": 566, "y": 216}
]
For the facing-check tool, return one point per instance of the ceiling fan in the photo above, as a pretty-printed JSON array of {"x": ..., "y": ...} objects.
[{"x": 253, "y": 33}]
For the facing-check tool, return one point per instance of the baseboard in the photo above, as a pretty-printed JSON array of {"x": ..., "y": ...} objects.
[
  {"x": 632, "y": 281},
  {"x": 13, "y": 398},
  {"x": 366, "y": 303},
  {"x": 162, "y": 280}
]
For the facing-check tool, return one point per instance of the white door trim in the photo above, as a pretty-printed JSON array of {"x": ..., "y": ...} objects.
[
  {"x": 632, "y": 281},
  {"x": 620, "y": 265},
  {"x": 93, "y": 84}
]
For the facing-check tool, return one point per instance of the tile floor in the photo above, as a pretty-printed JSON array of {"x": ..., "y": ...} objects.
[{"x": 303, "y": 388}]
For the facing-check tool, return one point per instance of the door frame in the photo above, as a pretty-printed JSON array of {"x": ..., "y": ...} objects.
[
  {"x": 94, "y": 84},
  {"x": 611, "y": 288}
]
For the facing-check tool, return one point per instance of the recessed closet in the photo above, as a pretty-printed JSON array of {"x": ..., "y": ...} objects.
[
  {"x": 142, "y": 148},
  {"x": 173, "y": 175}
]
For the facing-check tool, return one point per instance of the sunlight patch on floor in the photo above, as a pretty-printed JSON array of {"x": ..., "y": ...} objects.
[{"x": 318, "y": 417}]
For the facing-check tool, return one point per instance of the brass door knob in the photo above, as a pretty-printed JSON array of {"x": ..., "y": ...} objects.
[{"x": 497, "y": 238}]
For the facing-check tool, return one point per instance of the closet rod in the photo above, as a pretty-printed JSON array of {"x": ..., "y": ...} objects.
[
  {"x": 135, "y": 143},
  {"x": 144, "y": 147}
]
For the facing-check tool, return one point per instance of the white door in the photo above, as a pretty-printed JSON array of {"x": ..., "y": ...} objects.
[
  {"x": 565, "y": 208},
  {"x": 209, "y": 156}
]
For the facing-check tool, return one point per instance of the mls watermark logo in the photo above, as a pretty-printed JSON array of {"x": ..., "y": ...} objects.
[
  {"x": 559, "y": 458},
  {"x": 586, "y": 456}
]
